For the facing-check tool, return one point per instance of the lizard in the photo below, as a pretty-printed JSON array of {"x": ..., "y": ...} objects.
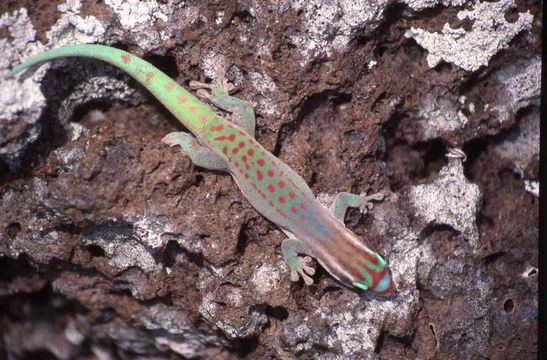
[{"x": 274, "y": 189}]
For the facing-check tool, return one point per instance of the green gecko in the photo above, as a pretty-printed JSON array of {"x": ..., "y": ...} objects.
[{"x": 270, "y": 185}]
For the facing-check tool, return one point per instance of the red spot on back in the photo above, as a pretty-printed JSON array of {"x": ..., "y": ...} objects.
[
  {"x": 293, "y": 210},
  {"x": 292, "y": 195},
  {"x": 203, "y": 118},
  {"x": 303, "y": 217},
  {"x": 217, "y": 128},
  {"x": 169, "y": 87},
  {"x": 126, "y": 58},
  {"x": 261, "y": 193},
  {"x": 271, "y": 188},
  {"x": 215, "y": 118},
  {"x": 281, "y": 184},
  {"x": 303, "y": 206},
  {"x": 261, "y": 162},
  {"x": 271, "y": 173},
  {"x": 251, "y": 152},
  {"x": 241, "y": 132},
  {"x": 259, "y": 175},
  {"x": 244, "y": 158},
  {"x": 149, "y": 76},
  {"x": 237, "y": 164},
  {"x": 246, "y": 176},
  {"x": 271, "y": 203},
  {"x": 192, "y": 109},
  {"x": 241, "y": 144},
  {"x": 220, "y": 138},
  {"x": 225, "y": 150},
  {"x": 282, "y": 213},
  {"x": 232, "y": 137},
  {"x": 281, "y": 199},
  {"x": 235, "y": 150},
  {"x": 293, "y": 184},
  {"x": 181, "y": 99}
]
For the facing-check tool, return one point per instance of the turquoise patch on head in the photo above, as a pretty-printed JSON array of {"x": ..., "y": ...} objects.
[
  {"x": 361, "y": 285},
  {"x": 384, "y": 283}
]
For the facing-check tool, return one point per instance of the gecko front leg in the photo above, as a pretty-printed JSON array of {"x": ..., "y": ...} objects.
[
  {"x": 242, "y": 111},
  {"x": 345, "y": 200},
  {"x": 291, "y": 248},
  {"x": 200, "y": 155}
]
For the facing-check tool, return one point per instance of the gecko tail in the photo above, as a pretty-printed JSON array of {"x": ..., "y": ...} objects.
[
  {"x": 89, "y": 50},
  {"x": 167, "y": 91}
]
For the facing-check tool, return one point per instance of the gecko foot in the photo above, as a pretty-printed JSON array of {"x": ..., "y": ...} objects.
[
  {"x": 366, "y": 201},
  {"x": 301, "y": 267},
  {"x": 219, "y": 87}
]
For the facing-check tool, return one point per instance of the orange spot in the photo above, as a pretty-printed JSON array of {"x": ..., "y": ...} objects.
[
  {"x": 126, "y": 58},
  {"x": 203, "y": 118},
  {"x": 169, "y": 87},
  {"x": 192, "y": 109},
  {"x": 149, "y": 76},
  {"x": 217, "y": 128},
  {"x": 182, "y": 100}
]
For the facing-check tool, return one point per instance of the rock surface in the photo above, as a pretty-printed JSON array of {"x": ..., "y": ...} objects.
[{"x": 114, "y": 246}]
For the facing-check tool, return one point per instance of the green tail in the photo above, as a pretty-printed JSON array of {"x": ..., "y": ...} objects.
[{"x": 169, "y": 93}]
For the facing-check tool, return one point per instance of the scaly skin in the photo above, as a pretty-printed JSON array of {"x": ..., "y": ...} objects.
[{"x": 270, "y": 185}]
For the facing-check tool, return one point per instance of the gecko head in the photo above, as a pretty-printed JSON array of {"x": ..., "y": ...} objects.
[
  {"x": 357, "y": 266},
  {"x": 373, "y": 276}
]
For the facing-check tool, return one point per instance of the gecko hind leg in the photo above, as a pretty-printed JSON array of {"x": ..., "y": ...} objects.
[
  {"x": 199, "y": 154},
  {"x": 345, "y": 200},
  {"x": 242, "y": 111},
  {"x": 299, "y": 266}
]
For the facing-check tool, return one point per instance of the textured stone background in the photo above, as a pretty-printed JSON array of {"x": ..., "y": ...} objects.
[{"x": 113, "y": 246}]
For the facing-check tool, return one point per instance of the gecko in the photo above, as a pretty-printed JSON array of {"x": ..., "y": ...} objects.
[{"x": 227, "y": 144}]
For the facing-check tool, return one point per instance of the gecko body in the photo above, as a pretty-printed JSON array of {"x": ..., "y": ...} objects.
[{"x": 270, "y": 185}]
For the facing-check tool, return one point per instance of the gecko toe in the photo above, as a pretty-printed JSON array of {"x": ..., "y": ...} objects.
[
  {"x": 203, "y": 94},
  {"x": 307, "y": 279},
  {"x": 194, "y": 85}
]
